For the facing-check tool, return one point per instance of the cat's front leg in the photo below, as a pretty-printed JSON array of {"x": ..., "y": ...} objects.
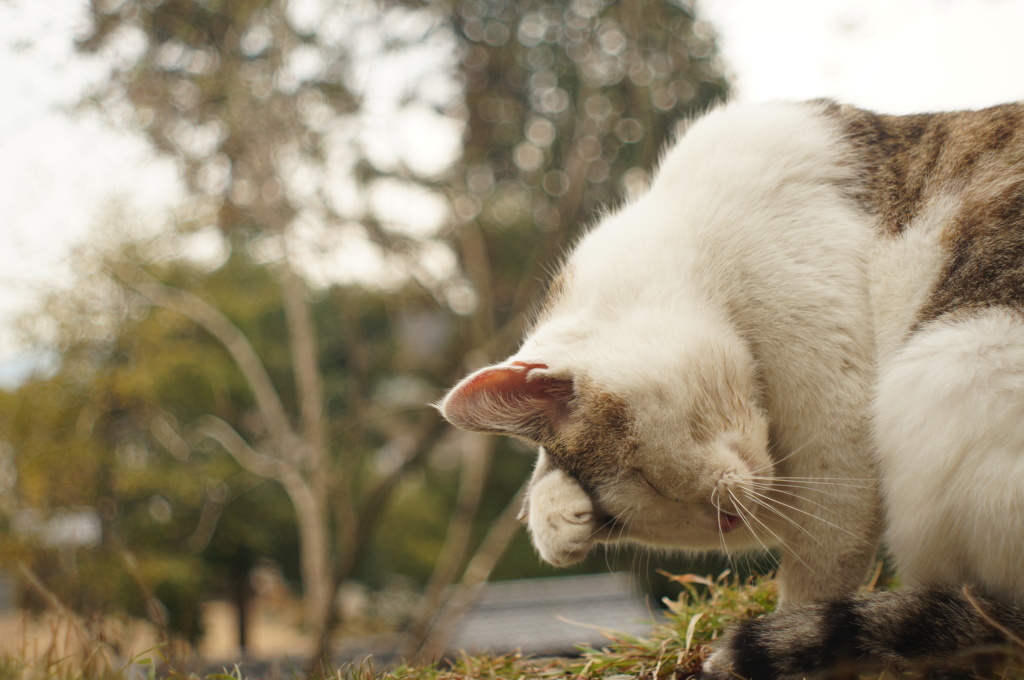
[{"x": 563, "y": 522}]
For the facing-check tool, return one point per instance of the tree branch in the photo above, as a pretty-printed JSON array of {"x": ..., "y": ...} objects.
[
  {"x": 475, "y": 466},
  {"x": 370, "y": 511},
  {"x": 252, "y": 460},
  {"x": 165, "y": 429},
  {"x": 478, "y": 571},
  {"x": 356, "y": 525},
  {"x": 305, "y": 360},
  {"x": 234, "y": 341},
  {"x": 210, "y": 514}
]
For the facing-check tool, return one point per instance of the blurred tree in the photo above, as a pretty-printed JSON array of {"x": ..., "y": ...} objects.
[
  {"x": 117, "y": 434},
  {"x": 277, "y": 114},
  {"x": 568, "y": 106},
  {"x": 256, "y": 101},
  {"x": 99, "y": 515}
]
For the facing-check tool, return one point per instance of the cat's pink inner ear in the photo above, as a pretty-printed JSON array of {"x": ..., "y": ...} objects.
[{"x": 507, "y": 400}]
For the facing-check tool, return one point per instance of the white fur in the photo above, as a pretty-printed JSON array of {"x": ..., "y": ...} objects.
[
  {"x": 744, "y": 252},
  {"x": 561, "y": 517},
  {"x": 904, "y": 270},
  {"x": 949, "y": 417}
]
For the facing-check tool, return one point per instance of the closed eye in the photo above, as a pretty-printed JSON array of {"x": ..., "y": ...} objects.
[{"x": 639, "y": 474}]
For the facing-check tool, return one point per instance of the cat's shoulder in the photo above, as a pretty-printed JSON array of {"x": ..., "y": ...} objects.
[{"x": 759, "y": 144}]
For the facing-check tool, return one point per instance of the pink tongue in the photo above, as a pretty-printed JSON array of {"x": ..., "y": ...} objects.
[{"x": 727, "y": 522}]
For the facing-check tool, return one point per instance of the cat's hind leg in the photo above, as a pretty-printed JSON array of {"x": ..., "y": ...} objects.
[{"x": 949, "y": 418}]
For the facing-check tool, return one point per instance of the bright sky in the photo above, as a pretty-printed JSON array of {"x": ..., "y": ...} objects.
[
  {"x": 894, "y": 56},
  {"x": 59, "y": 170}
]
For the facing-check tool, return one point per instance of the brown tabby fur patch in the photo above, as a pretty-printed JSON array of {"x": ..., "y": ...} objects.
[
  {"x": 977, "y": 156},
  {"x": 596, "y": 439}
]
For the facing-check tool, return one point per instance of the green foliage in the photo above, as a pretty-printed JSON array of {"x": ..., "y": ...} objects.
[
  {"x": 109, "y": 431},
  {"x": 409, "y": 535},
  {"x": 84, "y": 438}
]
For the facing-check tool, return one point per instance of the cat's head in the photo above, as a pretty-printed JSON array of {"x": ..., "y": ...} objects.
[{"x": 655, "y": 414}]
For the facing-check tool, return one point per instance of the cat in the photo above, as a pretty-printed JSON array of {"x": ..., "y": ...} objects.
[{"x": 806, "y": 333}]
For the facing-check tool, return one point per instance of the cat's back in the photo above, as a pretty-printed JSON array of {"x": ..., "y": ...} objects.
[
  {"x": 763, "y": 207},
  {"x": 946, "y": 190},
  {"x": 751, "y": 204}
]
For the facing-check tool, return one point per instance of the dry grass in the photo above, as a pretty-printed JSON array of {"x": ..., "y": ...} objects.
[
  {"x": 675, "y": 649},
  {"x": 81, "y": 650}
]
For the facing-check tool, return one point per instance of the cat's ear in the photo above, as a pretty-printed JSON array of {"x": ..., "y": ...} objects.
[{"x": 517, "y": 399}]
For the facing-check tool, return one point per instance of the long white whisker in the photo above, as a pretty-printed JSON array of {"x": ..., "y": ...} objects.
[
  {"x": 793, "y": 452},
  {"x": 822, "y": 479},
  {"x": 760, "y": 489},
  {"x": 609, "y": 522},
  {"x": 786, "y": 517},
  {"x": 616, "y": 542},
  {"x": 646, "y": 518},
  {"x": 783, "y": 487},
  {"x": 625, "y": 519},
  {"x": 804, "y": 512},
  {"x": 813, "y": 483},
  {"x": 808, "y": 484},
  {"x": 750, "y": 516},
  {"x": 769, "y": 492},
  {"x": 636, "y": 512},
  {"x": 782, "y": 543}
]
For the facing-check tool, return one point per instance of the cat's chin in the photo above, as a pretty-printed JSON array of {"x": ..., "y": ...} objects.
[{"x": 699, "y": 531}]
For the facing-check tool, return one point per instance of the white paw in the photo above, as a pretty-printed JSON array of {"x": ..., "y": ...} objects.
[{"x": 562, "y": 520}]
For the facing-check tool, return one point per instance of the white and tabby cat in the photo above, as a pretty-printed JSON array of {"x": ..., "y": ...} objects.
[{"x": 810, "y": 298}]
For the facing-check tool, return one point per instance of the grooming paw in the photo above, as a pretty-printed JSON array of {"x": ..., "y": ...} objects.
[{"x": 562, "y": 519}]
